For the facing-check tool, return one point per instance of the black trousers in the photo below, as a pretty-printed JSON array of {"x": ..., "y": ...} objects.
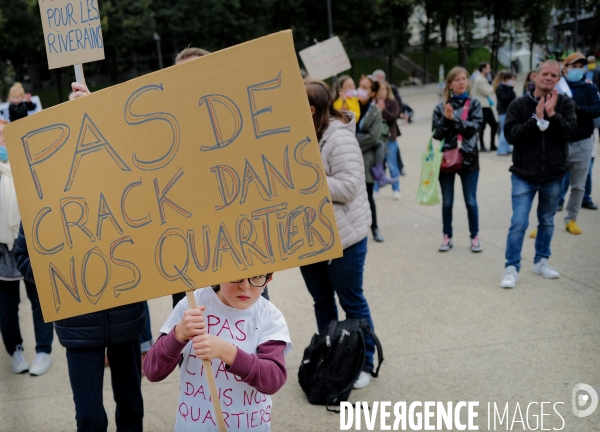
[
  {"x": 372, "y": 205},
  {"x": 488, "y": 118},
  {"x": 10, "y": 297},
  {"x": 86, "y": 373}
]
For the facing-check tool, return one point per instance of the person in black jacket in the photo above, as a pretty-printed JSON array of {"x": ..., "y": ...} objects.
[
  {"x": 87, "y": 338},
  {"x": 448, "y": 125},
  {"x": 504, "y": 86},
  {"x": 19, "y": 108},
  {"x": 585, "y": 96},
  {"x": 539, "y": 125}
]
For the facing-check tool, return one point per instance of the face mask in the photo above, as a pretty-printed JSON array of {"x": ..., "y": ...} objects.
[
  {"x": 591, "y": 66},
  {"x": 511, "y": 83},
  {"x": 3, "y": 154},
  {"x": 351, "y": 93},
  {"x": 575, "y": 75},
  {"x": 362, "y": 94}
]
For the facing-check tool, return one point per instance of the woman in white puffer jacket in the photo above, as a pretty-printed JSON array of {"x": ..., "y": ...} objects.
[{"x": 345, "y": 171}]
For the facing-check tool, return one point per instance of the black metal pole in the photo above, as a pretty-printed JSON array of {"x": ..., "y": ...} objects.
[
  {"x": 330, "y": 23},
  {"x": 329, "y": 19},
  {"x": 576, "y": 25},
  {"x": 160, "y": 59}
]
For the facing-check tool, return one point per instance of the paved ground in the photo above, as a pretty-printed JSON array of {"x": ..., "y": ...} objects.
[{"x": 449, "y": 332}]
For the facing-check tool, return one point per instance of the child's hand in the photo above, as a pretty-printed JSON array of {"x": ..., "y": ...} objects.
[
  {"x": 79, "y": 90},
  {"x": 28, "y": 97},
  {"x": 192, "y": 324},
  {"x": 208, "y": 347}
]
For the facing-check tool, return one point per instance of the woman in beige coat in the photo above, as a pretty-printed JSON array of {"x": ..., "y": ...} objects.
[{"x": 345, "y": 171}]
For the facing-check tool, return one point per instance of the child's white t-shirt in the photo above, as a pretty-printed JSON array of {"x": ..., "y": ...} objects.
[{"x": 244, "y": 407}]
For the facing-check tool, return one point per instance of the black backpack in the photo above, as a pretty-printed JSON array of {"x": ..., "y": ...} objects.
[{"x": 334, "y": 360}]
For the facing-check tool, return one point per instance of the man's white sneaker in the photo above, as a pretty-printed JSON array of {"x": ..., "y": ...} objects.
[
  {"x": 41, "y": 364},
  {"x": 18, "y": 362},
  {"x": 544, "y": 269},
  {"x": 510, "y": 277},
  {"x": 397, "y": 195},
  {"x": 363, "y": 380}
]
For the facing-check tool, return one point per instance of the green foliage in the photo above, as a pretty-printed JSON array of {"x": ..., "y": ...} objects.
[
  {"x": 366, "y": 66},
  {"x": 448, "y": 57}
]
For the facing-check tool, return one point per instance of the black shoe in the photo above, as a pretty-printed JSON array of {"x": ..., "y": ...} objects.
[
  {"x": 377, "y": 235},
  {"x": 560, "y": 206},
  {"x": 484, "y": 150},
  {"x": 589, "y": 205},
  {"x": 493, "y": 148}
]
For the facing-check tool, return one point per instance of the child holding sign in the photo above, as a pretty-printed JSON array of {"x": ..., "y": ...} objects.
[{"x": 246, "y": 338}]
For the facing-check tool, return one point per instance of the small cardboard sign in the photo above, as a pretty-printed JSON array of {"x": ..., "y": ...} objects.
[
  {"x": 201, "y": 173},
  {"x": 72, "y": 32},
  {"x": 325, "y": 59}
]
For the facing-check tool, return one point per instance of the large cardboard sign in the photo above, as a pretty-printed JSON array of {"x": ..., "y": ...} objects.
[
  {"x": 198, "y": 174},
  {"x": 325, "y": 59},
  {"x": 72, "y": 31}
]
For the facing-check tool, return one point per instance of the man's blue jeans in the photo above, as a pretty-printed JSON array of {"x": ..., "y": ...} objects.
[
  {"x": 344, "y": 277},
  {"x": 523, "y": 192},
  {"x": 469, "y": 186},
  {"x": 503, "y": 145}
]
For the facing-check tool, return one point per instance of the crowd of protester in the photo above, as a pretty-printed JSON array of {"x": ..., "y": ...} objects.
[{"x": 550, "y": 129}]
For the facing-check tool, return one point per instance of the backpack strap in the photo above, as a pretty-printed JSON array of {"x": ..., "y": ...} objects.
[{"x": 368, "y": 330}]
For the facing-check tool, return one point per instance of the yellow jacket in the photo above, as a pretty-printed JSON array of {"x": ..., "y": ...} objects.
[{"x": 350, "y": 104}]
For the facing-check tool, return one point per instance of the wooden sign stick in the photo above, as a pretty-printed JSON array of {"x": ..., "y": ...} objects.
[
  {"x": 208, "y": 372},
  {"x": 79, "y": 74}
]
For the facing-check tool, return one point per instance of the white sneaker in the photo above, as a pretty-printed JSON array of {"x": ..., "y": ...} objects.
[
  {"x": 18, "y": 362},
  {"x": 510, "y": 277},
  {"x": 363, "y": 380},
  {"x": 41, "y": 364},
  {"x": 544, "y": 269},
  {"x": 397, "y": 195},
  {"x": 375, "y": 194}
]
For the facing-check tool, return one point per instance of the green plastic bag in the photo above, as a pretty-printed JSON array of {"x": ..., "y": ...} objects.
[{"x": 431, "y": 161}]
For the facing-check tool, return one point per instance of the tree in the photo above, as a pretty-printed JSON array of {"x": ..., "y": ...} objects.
[{"x": 536, "y": 22}]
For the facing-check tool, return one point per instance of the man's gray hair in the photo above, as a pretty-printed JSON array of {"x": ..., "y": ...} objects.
[
  {"x": 549, "y": 63},
  {"x": 379, "y": 71}
]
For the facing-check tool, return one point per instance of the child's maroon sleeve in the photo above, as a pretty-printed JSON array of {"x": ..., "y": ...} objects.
[
  {"x": 264, "y": 370},
  {"x": 163, "y": 357}
]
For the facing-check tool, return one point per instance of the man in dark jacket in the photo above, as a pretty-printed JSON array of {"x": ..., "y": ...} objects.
[
  {"x": 87, "y": 338},
  {"x": 540, "y": 126},
  {"x": 585, "y": 96}
]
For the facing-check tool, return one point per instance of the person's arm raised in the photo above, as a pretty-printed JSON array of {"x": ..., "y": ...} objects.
[{"x": 79, "y": 90}]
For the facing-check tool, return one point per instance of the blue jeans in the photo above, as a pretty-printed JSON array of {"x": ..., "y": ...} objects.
[
  {"x": 344, "y": 277},
  {"x": 392, "y": 155},
  {"x": 10, "y": 297},
  {"x": 469, "y": 185},
  {"x": 503, "y": 145},
  {"x": 523, "y": 192},
  {"x": 587, "y": 197}
]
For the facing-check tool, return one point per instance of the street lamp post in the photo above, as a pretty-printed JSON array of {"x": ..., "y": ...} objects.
[
  {"x": 512, "y": 35},
  {"x": 576, "y": 25},
  {"x": 160, "y": 60},
  {"x": 330, "y": 24}
]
